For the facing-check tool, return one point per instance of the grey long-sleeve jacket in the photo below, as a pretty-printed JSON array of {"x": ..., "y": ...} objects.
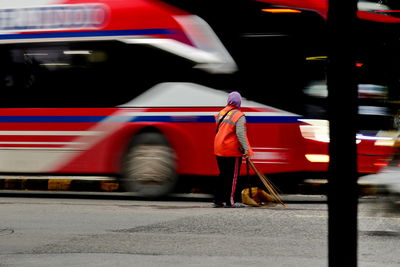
[{"x": 241, "y": 133}]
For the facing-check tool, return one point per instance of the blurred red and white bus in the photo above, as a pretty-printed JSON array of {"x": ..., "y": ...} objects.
[{"x": 105, "y": 88}]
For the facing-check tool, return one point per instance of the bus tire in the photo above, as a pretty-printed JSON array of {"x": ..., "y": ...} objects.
[{"x": 149, "y": 166}]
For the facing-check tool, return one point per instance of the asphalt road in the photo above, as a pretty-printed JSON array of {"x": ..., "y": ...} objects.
[{"x": 116, "y": 231}]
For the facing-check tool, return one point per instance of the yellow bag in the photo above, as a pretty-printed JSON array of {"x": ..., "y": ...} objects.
[{"x": 257, "y": 198}]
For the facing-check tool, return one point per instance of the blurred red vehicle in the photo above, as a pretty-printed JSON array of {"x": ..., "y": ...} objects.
[
  {"x": 104, "y": 88},
  {"x": 368, "y": 10}
]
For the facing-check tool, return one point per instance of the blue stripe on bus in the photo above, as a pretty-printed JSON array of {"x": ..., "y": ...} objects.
[
  {"x": 54, "y": 119},
  {"x": 175, "y": 119},
  {"x": 211, "y": 119},
  {"x": 122, "y": 119},
  {"x": 85, "y": 34}
]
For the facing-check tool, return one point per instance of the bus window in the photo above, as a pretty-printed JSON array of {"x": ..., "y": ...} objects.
[{"x": 92, "y": 74}]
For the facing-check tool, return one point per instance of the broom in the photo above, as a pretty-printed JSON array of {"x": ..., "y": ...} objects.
[{"x": 268, "y": 185}]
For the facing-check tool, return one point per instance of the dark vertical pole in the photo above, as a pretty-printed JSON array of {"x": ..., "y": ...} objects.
[{"x": 342, "y": 98}]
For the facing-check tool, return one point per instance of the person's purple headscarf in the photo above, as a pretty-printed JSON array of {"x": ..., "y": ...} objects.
[{"x": 234, "y": 99}]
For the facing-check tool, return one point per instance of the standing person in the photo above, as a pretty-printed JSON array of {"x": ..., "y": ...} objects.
[{"x": 230, "y": 145}]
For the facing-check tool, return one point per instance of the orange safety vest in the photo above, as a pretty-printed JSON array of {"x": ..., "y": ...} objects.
[{"x": 226, "y": 143}]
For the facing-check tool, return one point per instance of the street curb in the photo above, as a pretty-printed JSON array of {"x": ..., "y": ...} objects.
[
  {"x": 59, "y": 184},
  {"x": 313, "y": 188},
  {"x": 308, "y": 187},
  {"x": 320, "y": 186}
]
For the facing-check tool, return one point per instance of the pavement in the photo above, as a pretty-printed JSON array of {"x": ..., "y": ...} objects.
[{"x": 110, "y": 231}]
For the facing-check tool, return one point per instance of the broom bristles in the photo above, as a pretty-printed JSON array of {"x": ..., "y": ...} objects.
[{"x": 268, "y": 184}]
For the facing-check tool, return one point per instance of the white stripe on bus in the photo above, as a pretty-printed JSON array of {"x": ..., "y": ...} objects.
[
  {"x": 40, "y": 143},
  {"x": 38, "y": 148},
  {"x": 55, "y": 133}
]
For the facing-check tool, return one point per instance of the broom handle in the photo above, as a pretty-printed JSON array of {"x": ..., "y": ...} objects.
[
  {"x": 270, "y": 187},
  {"x": 248, "y": 176}
]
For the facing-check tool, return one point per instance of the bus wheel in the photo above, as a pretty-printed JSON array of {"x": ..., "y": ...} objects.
[{"x": 149, "y": 166}]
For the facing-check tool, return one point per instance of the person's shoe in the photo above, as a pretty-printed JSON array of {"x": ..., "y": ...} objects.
[{"x": 236, "y": 205}]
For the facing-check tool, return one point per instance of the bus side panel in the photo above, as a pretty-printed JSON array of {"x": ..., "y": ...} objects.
[
  {"x": 192, "y": 143},
  {"x": 107, "y": 156},
  {"x": 103, "y": 157},
  {"x": 38, "y": 140},
  {"x": 371, "y": 158},
  {"x": 278, "y": 147},
  {"x": 374, "y": 155}
]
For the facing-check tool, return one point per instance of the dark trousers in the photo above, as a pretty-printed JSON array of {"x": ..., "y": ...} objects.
[{"x": 226, "y": 182}]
